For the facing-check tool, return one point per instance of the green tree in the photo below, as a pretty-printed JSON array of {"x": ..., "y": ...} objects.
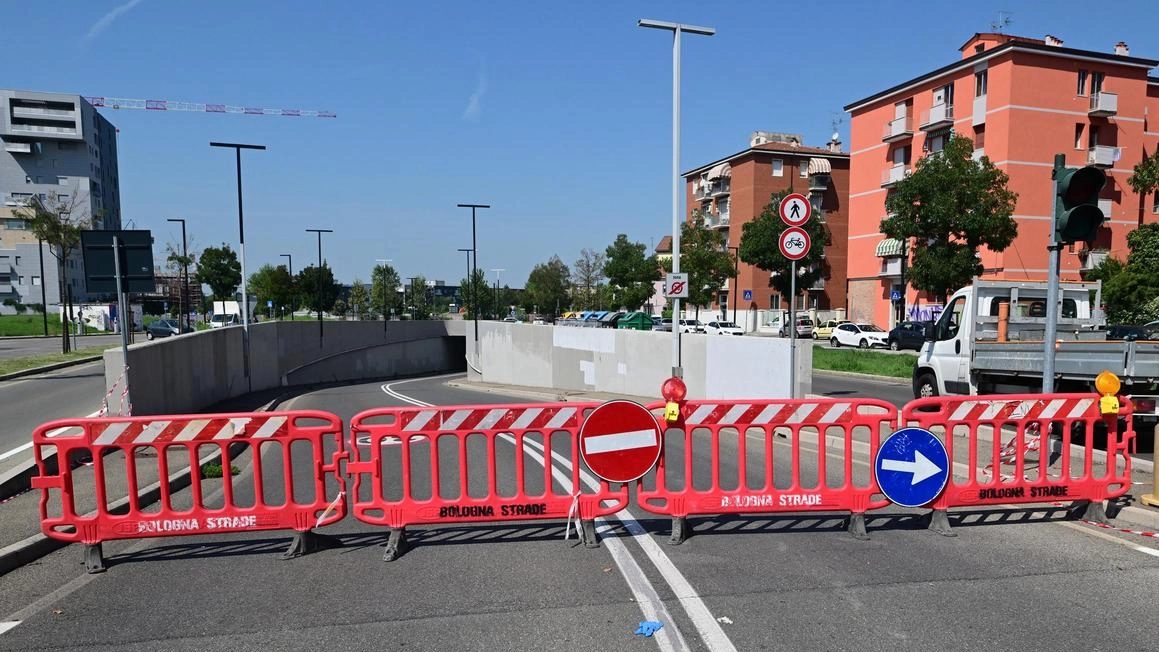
[
  {"x": 1144, "y": 178},
  {"x": 317, "y": 289},
  {"x": 630, "y": 272},
  {"x": 548, "y": 287},
  {"x": 384, "y": 296},
  {"x": 705, "y": 258},
  {"x": 1109, "y": 268},
  {"x": 759, "y": 246},
  {"x": 587, "y": 274},
  {"x": 480, "y": 292},
  {"x": 271, "y": 283},
  {"x": 1143, "y": 243},
  {"x": 220, "y": 270},
  {"x": 948, "y": 209},
  {"x": 359, "y": 299},
  {"x": 58, "y": 221},
  {"x": 418, "y": 298},
  {"x": 1128, "y": 295}
]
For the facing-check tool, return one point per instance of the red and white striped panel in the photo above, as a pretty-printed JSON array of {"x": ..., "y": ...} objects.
[
  {"x": 183, "y": 430},
  {"x": 495, "y": 418},
  {"x": 998, "y": 410},
  {"x": 759, "y": 414}
]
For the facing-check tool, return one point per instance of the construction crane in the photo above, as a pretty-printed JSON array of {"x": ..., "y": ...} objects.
[{"x": 170, "y": 105}]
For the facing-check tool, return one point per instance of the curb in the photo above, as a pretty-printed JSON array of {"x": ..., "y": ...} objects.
[
  {"x": 50, "y": 367},
  {"x": 891, "y": 380},
  {"x": 562, "y": 396}
]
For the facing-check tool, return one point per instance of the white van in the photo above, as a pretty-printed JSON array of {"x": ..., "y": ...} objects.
[{"x": 218, "y": 321}]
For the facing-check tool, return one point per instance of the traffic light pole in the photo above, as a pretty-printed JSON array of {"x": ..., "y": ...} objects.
[{"x": 1052, "y": 307}]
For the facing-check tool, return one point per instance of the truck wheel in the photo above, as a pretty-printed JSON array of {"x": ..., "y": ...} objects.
[
  {"x": 863, "y": 344},
  {"x": 893, "y": 346},
  {"x": 926, "y": 386},
  {"x": 834, "y": 343}
]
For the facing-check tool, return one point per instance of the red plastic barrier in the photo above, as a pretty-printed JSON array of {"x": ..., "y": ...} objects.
[
  {"x": 442, "y": 482},
  {"x": 165, "y": 446},
  {"x": 997, "y": 448},
  {"x": 774, "y": 432}
]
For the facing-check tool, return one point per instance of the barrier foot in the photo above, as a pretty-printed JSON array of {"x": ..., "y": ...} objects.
[
  {"x": 396, "y": 545},
  {"x": 680, "y": 531},
  {"x": 308, "y": 542},
  {"x": 939, "y": 521},
  {"x": 856, "y": 527},
  {"x": 94, "y": 558},
  {"x": 588, "y": 534},
  {"x": 1088, "y": 510}
]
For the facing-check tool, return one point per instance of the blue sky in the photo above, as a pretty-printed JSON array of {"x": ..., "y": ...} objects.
[{"x": 556, "y": 113}]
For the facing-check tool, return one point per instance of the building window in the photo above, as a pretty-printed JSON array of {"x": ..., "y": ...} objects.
[
  {"x": 1155, "y": 206},
  {"x": 1093, "y": 138},
  {"x": 35, "y": 281},
  {"x": 804, "y": 170},
  {"x": 980, "y": 137},
  {"x": 775, "y": 301},
  {"x": 1078, "y": 135},
  {"x": 17, "y": 263},
  {"x": 980, "y": 80},
  {"x": 778, "y": 167},
  {"x": 1082, "y": 88},
  {"x": 978, "y": 48},
  {"x": 1096, "y": 82}
]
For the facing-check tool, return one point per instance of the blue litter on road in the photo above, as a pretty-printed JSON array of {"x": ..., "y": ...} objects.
[{"x": 648, "y": 628}]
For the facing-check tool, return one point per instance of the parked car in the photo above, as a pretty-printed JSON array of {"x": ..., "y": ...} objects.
[
  {"x": 907, "y": 335},
  {"x": 824, "y": 329},
  {"x": 722, "y": 328},
  {"x": 1128, "y": 332},
  {"x": 804, "y": 328},
  {"x": 165, "y": 328},
  {"x": 691, "y": 326},
  {"x": 859, "y": 335},
  {"x": 662, "y": 324}
]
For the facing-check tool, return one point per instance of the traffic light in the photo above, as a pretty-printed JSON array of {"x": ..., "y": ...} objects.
[{"x": 1077, "y": 216}]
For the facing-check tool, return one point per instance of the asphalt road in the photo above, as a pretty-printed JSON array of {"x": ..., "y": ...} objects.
[
  {"x": 19, "y": 347},
  {"x": 28, "y": 402},
  {"x": 1009, "y": 580}
]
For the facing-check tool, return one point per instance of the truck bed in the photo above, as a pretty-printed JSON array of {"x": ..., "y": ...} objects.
[{"x": 1133, "y": 362}]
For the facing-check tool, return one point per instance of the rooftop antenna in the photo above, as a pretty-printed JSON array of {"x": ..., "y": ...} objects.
[{"x": 1004, "y": 20}]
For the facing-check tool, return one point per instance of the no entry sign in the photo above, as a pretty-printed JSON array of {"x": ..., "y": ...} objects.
[{"x": 620, "y": 441}]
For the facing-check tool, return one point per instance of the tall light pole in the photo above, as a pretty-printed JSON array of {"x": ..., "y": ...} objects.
[
  {"x": 245, "y": 310},
  {"x": 470, "y": 281},
  {"x": 384, "y": 261},
  {"x": 475, "y": 252},
  {"x": 497, "y": 289},
  {"x": 677, "y": 29},
  {"x": 412, "y": 295},
  {"x": 319, "y": 280},
  {"x": 291, "y": 270},
  {"x": 184, "y": 297},
  {"x": 43, "y": 287}
]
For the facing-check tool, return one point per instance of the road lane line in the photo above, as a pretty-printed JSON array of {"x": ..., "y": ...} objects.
[
  {"x": 23, "y": 447},
  {"x": 5, "y": 626},
  {"x": 698, "y": 612}
]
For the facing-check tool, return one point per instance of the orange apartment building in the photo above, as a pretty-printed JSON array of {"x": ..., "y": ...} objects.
[
  {"x": 734, "y": 190},
  {"x": 1021, "y": 101}
]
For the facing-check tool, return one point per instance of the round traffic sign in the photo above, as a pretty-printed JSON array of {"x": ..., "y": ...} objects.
[
  {"x": 795, "y": 243},
  {"x": 912, "y": 467},
  {"x": 620, "y": 441},
  {"x": 795, "y": 209}
]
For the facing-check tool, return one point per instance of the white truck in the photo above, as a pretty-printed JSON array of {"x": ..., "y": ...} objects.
[{"x": 989, "y": 340}]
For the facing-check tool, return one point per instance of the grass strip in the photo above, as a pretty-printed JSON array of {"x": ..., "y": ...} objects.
[
  {"x": 13, "y": 365},
  {"x": 864, "y": 362}
]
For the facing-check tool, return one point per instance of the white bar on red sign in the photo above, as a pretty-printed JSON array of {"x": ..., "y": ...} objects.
[{"x": 619, "y": 441}]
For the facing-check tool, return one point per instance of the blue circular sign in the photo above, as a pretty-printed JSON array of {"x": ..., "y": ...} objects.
[{"x": 912, "y": 467}]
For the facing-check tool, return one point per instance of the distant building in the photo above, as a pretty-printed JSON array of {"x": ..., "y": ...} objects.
[
  {"x": 732, "y": 191},
  {"x": 53, "y": 143},
  {"x": 1021, "y": 101}
]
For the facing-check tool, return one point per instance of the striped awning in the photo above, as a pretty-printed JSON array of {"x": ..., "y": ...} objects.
[
  {"x": 718, "y": 171},
  {"x": 888, "y": 248},
  {"x": 820, "y": 166}
]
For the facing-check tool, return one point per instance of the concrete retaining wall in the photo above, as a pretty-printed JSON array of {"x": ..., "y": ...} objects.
[
  {"x": 188, "y": 373},
  {"x": 637, "y": 362}
]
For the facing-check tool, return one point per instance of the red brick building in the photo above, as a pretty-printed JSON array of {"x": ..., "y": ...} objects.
[{"x": 734, "y": 190}]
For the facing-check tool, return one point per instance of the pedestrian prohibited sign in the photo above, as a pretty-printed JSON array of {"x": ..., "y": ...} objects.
[
  {"x": 795, "y": 209},
  {"x": 794, "y": 243},
  {"x": 676, "y": 286}
]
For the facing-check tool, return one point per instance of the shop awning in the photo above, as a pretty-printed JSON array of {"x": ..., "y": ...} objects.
[
  {"x": 888, "y": 248},
  {"x": 718, "y": 171},
  {"x": 820, "y": 166}
]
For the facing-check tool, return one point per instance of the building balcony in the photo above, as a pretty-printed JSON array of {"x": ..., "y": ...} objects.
[
  {"x": 1103, "y": 156},
  {"x": 898, "y": 129},
  {"x": 890, "y": 176},
  {"x": 939, "y": 116},
  {"x": 719, "y": 188},
  {"x": 819, "y": 284},
  {"x": 1092, "y": 259},
  {"x": 819, "y": 182},
  {"x": 1103, "y": 104},
  {"x": 18, "y": 148},
  {"x": 41, "y": 112},
  {"x": 716, "y": 220},
  {"x": 700, "y": 191},
  {"x": 1106, "y": 206},
  {"x": 45, "y": 130}
]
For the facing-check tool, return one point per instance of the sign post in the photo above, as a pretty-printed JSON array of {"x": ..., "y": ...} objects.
[
  {"x": 620, "y": 441},
  {"x": 794, "y": 242}
]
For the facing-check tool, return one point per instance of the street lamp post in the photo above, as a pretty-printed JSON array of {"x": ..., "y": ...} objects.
[
  {"x": 470, "y": 281},
  {"x": 43, "y": 287},
  {"x": 677, "y": 29},
  {"x": 475, "y": 252},
  {"x": 291, "y": 271},
  {"x": 412, "y": 295},
  {"x": 319, "y": 279},
  {"x": 384, "y": 261},
  {"x": 245, "y": 310},
  {"x": 497, "y": 289},
  {"x": 184, "y": 297}
]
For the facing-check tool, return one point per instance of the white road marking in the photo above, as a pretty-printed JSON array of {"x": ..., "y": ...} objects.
[
  {"x": 1150, "y": 551},
  {"x": 619, "y": 441},
  {"x": 710, "y": 631},
  {"x": 7, "y": 625}
]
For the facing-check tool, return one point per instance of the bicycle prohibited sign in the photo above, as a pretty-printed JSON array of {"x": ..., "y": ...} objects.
[{"x": 795, "y": 243}]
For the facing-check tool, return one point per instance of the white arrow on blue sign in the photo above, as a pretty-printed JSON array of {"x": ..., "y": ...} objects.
[{"x": 912, "y": 467}]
